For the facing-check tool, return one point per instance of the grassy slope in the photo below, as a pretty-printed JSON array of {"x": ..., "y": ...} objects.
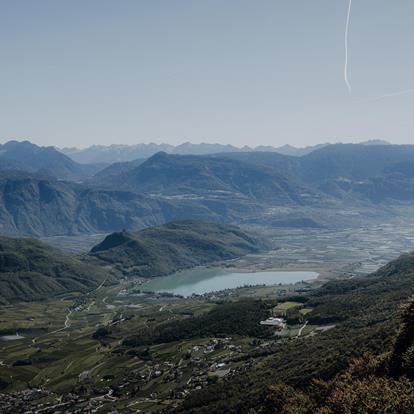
[
  {"x": 162, "y": 250},
  {"x": 31, "y": 270}
]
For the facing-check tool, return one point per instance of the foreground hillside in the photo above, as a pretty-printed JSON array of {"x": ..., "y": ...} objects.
[
  {"x": 364, "y": 365},
  {"x": 211, "y": 354},
  {"x": 162, "y": 250},
  {"x": 31, "y": 270}
]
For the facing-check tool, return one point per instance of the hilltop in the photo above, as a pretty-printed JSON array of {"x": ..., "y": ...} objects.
[{"x": 162, "y": 250}]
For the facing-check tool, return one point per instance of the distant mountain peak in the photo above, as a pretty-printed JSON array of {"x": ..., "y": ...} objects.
[
  {"x": 113, "y": 240},
  {"x": 375, "y": 142},
  {"x": 29, "y": 157},
  {"x": 124, "y": 153}
]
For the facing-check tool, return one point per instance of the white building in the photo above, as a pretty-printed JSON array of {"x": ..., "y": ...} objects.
[{"x": 277, "y": 322}]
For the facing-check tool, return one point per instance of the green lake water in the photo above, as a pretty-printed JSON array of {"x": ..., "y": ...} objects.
[{"x": 199, "y": 281}]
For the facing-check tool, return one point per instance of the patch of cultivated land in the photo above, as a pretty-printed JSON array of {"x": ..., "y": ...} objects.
[
  {"x": 148, "y": 377},
  {"x": 332, "y": 252},
  {"x": 63, "y": 360}
]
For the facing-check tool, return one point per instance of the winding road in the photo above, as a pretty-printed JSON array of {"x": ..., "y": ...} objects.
[
  {"x": 65, "y": 326},
  {"x": 302, "y": 328}
]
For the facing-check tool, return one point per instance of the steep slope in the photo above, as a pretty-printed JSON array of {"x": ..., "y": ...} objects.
[
  {"x": 353, "y": 161},
  {"x": 404, "y": 169},
  {"x": 31, "y": 270},
  {"x": 188, "y": 148},
  {"x": 373, "y": 383},
  {"x": 233, "y": 187},
  {"x": 375, "y": 173},
  {"x": 38, "y": 206},
  {"x": 364, "y": 364},
  {"x": 115, "y": 169},
  {"x": 163, "y": 250},
  {"x": 215, "y": 177},
  {"x": 284, "y": 164},
  {"x": 126, "y": 153},
  {"x": 114, "y": 153},
  {"x": 25, "y": 156},
  {"x": 372, "y": 171},
  {"x": 345, "y": 161},
  {"x": 299, "y": 152},
  {"x": 32, "y": 205}
]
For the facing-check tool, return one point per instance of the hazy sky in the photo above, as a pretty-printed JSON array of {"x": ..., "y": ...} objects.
[{"x": 82, "y": 72}]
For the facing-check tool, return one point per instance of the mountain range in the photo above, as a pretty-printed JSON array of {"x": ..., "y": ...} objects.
[
  {"x": 43, "y": 192},
  {"x": 348, "y": 172},
  {"x": 210, "y": 177},
  {"x": 25, "y": 156},
  {"x": 121, "y": 153},
  {"x": 41, "y": 206}
]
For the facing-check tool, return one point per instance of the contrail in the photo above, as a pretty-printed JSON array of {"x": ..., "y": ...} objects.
[
  {"x": 348, "y": 84},
  {"x": 348, "y": 18},
  {"x": 390, "y": 95}
]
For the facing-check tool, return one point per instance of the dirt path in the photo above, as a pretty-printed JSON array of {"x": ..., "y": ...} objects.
[{"x": 302, "y": 328}]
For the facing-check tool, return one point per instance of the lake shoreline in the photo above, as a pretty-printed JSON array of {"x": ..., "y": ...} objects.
[{"x": 202, "y": 280}]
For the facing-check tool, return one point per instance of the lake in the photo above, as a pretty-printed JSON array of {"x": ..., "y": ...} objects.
[
  {"x": 201, "y": 281},
  {"x": 11, "y": 337}
]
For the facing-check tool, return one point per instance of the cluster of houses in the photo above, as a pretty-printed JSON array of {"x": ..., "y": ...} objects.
[
  {"x": 27, "y": 401},
  {"x": 194, "y": 370}
]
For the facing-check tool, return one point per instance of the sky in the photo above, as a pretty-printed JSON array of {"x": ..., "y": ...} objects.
[{"x": 264, "y": 72}]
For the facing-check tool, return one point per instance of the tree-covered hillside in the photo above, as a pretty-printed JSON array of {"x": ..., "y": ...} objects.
[
  {"x": 162, "y": 250},
  {"x": 31, "y": 270},
  {"x": 362, "y": 365},
  {"x": 219, "y": 176}
]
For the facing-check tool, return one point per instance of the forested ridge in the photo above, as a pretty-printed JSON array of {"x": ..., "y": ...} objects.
[{"x": 364, "y": 365}]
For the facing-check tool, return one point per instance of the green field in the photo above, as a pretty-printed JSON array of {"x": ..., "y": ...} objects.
[
  {"x": 305, "y": 311},
  {"x": 59, "y": 353},
  {"x": 153, "y": 350},
  {"x": 284, "y": 306}
]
